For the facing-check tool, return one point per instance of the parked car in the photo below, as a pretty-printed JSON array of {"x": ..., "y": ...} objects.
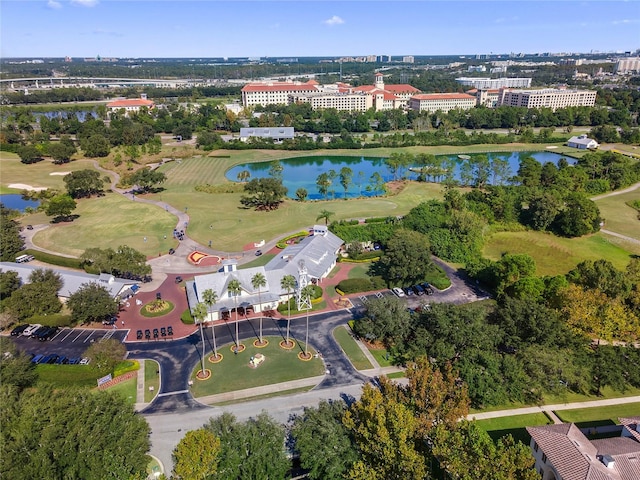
[
  {"x": 19, "y": 329},
  {"x": 418, "y": 289},
  {"x": 178, "y": 279},
  {"x": 398, "y": 291},
  {"x": 45, "y": 358},
  {"x": 53, "y": 358},
  {"x": 30, "y": 329},
  {"x": 74, "y": 361},
  {"x": 408, "y": 291},
  {"x": 139, "y": 335},
  {"x": 155, "y": 333},
  {"x": 29, "y": 227},
  {"x": 147, "y": 334},
  {"x": 258, "y": 253},
  {"x": 36, "y": 333},
  {"x": 110, "y": 321},
  {"x": 159, "y": 296},
  {"x": 48, "y": 334},
  {"x": 37, "y": 358},
  {"x": 170, "y": 330},
  {"x": 61, "y": 360},
  {"x": 172, "y": 251},
  {"x": 428, "y": 289},
  {"x": 163, "y": 332},
  {"x": 85, "y": 361}
]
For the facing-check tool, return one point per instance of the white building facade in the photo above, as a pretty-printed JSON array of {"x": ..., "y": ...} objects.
[
  {"x": 432, "y": 102},
  {"x": 485, "y": 83},
  {"x": 547, "y": 97}
]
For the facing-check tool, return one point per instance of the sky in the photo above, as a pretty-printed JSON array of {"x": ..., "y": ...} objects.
[{"x": 299, "y": 28}]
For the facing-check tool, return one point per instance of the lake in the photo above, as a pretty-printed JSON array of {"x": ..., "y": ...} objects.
[
  {"x": 16, "y": 202},
  {"x": 302, "y": 172}
]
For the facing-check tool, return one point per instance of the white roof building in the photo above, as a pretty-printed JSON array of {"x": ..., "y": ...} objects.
[
  {"x": 485, "y": 83},
  {"x": 318, "y": 252},
  {"x": 274, "y": 133},
  {"x": 582, "y": 142}
]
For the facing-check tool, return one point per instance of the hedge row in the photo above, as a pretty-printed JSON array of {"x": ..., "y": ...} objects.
[
  {"x": 55, "y": 259},
  {"x": 54, "y": 320},
  {"x": 282, "y": 244}
]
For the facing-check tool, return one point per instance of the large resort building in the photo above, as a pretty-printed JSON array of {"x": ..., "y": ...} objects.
[
  {"x": 484, "y": 83},
  {"x": 308, "y": 262},
  {"x": 552, "y": 98},
  {"x": 432, "y": 102}
]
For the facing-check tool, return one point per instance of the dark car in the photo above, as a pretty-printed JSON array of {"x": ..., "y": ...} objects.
[
  {"x": 29, "y": 227},
  {"x": 258, "y": 253},
  {"x": 53, "y": 358},
  {"x": 418, "y": 289},
  {"x": 428, "y": 289},
  {"x": 159, "y": 296},
  {"x": 37, "y": 358},
  {"x": 110, "y": 321},
  {"x": 74, "y": 361},
  {"x": 61, "y": 360},
  {"x": 163, "y": 332},
  {"x": 39, "y": 331},
  {"x": 178, "y": 279},
  {"x": 155, "y": 333},
  {"x": 45, "y": 358},
  {"x": 139, "y": 334},
  {"x": 147, "y": 334},
  {"x": 48, "y": 334},
  {"x": 19, "y": 329},
  {"x": 172, "y": 251},
  {"x": 408, "y": 291},
  {"x": 170, "y": 330}
]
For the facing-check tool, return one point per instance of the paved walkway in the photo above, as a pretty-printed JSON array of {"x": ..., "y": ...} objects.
[{"x": 549, "y": 409}]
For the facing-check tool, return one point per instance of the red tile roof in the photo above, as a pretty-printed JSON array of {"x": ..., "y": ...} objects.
[
  {"x": 444, "y": 96},
  {"x": 130, "y": 102},
  {"x": 401, "y": 88}
]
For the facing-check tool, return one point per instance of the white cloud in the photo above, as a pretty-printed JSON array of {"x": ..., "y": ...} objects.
[
  {"x": 335, "y": 20},
  {"x": 85, "y": 3},
  {"x": 625, "y": 21},
  {"x": 53, "y": 4}
]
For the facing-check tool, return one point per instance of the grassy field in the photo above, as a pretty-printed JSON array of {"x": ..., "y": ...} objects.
[
  {"x": 234, "y": 372},
  {"x": 382, "y": 356},
  {"x": 128, "y": 389},
  {"x": 351, "y": 349},
  {"x": 515, "y": 426},
  {"x": 151, "y": 379},
  {"x": 109, "y": 221},
  {"x": 620, "y": 217},
  {"x": 67, "y": 375},
  {"x": 556, "y": 255},
  {"x": 599, "y": 415}
]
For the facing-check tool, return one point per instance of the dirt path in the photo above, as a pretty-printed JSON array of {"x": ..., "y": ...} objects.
[{"x": 633, "y": 187}]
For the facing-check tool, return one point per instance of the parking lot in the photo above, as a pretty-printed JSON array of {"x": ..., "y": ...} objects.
[{"x": 70, "y": 342}]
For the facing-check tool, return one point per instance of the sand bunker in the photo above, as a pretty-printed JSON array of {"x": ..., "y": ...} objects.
[
  {"x": 59, "y": 173},
  {"x": 23, "y": 186}
]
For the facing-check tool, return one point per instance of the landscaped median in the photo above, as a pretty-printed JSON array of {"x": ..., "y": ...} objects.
[{"x": 235, "y": 377}]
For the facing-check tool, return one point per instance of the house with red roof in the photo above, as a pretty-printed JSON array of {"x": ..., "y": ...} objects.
[{"x": 130, "y": 104}]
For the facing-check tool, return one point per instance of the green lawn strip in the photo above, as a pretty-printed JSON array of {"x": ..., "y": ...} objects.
[
  {"x": 234, "y": 373},
  {"x": 619, "y": 217},
  {"x": 556, "y": 255},
  {"x": 109, "y": 221},
  {"x": 260, "y": 261},
  {"x": 594, "y": 416},
  {"x": 266, "y": 395},
  {"x": 438, "y": 278},
  {"x": 381, "y": 355},
  {"x": 351, "y": 349},
  {"x": 396, "y": 375},
  {"x": 514, "y": 425},
  {"x": 128, "y": 389},
  {"x": 359, "y": 271},
  {"x": 67, "y": 375},
  {"x": 151, "y": 379}
]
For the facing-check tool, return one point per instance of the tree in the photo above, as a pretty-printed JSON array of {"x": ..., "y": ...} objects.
[
  {"x": 105, "y": 355},
  {"x": 259, "y": 281},
  {"x": 16, "y": 369},
  {"x": 288, "y": 283},
  {"x": 384, "y": 432},
  {"x": 579, "y": 217},
  {"x": 542, "y": 210},
  {"x": 199, "y": 312},
  {"x": 324, "y": 444},
  {"x": 210, "y": 297},
  {"x": 323, "y": 183},
  {"x": 276, "y": 169},
  {"x": 83, "y": 183},
  {"x": 602, "y": 275},
  {"x": 147, "y": 179},
  {"x": 250, "y": 450},
  {"x": 37, "y": 297},
  {"x": 9, "y": 283},
  {"x": 29, "y": 154},
  {"x": 386, "y": 319},
  {"x": 91, "y": 303},
  {"x": 235, "y": 288},
  {"x": 11, "y": 243},
  {"x": 196, "y": 456},
  {"x": 407, "y": 258},
  {"x": 60, "y": 207},
  {"x": 96, "y": 145},
  {"x": 326, "y": 215},
  {"x": 307, "y": 292},
  {"x": 122, "y": 262},
  {"x": 243, "y": 175},
  {"x": 466, "y": 452},
  {"x": 72, "y": 433},
  {"x": 510, "y": 268},
  {"x": 264, "y": 193},
  {"x": 62, "y": 151},
  {"x": 302, "y": 194},
  {"x": 346, "y": 179}
]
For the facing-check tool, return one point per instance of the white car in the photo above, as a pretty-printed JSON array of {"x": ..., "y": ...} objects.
[
  {"x": 398, "y": 291},
  {"x": 85, "y": 361},
  {"x": 30, "y": 329}
]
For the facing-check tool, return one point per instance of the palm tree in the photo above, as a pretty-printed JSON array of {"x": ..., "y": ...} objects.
[
  {"x": 235, "y": 288},
  {"x": 243, "y": 176},
  {"x": 326, "y": 214},
  {"x": 308, "y": 292},
  {"x": 210, "y": 298},
  {"x": 288, "y": 283},
  {"x": 199, "y": 313},
  {"x": 258, "y": 281}
]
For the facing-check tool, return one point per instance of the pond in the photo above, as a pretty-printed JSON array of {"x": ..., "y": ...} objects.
[
  {"x": 303, "y": 172},
  {"x": 15, "y": 201}
]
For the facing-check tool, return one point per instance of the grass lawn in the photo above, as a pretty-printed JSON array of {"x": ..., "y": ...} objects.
[
  {"x": 260, "y": 261},
  {"x": 109, "y": 221},
  {"x": 438, "y": 278},
  {"x": 499, "y": 427},
  {"x": 360, "y": 270},
  {"x": 234, "y": 373},
  {"x": 128, "y": 389},
  {"x": 351, "y": 349},
  {"x": 556, "y": 255},
  {"x": 608, "y": 415},
  {"x": 67, "y": 375},
  {"x": 381, "y": 355},
  {"x": 281, "y": 393},
  {"x": 151, "y": 379},
  {"x": 621, "y": 218}
]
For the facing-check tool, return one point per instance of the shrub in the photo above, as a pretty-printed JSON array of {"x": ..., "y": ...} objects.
[
  {"x": 54, "y": 320},
  {"x": 186, "y": 317},
  {"x": 355, "y": 285},
  {"x": 55, "y": 259}
]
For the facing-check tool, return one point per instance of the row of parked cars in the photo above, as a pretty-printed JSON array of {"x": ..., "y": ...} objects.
[
  {"x": 54, "y": 359},
  {"x": 162, "y": 332},
  {"x": 419, "y": 289},
  {"x": 36, "y": 331}
]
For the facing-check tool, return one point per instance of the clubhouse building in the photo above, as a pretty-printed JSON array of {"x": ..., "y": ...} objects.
[{"x": 308, "y": 261}]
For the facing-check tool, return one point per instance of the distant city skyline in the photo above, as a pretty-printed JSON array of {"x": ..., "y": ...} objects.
[{"x": 212, "y": 28}]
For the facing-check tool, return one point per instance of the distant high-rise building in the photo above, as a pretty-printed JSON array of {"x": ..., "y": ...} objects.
[
  {"x": 626, "y": 65},
  {"x": 552, "y": 98},
  {"x": 408, "y": 59},
  {"x": 484, "y": 83}
]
